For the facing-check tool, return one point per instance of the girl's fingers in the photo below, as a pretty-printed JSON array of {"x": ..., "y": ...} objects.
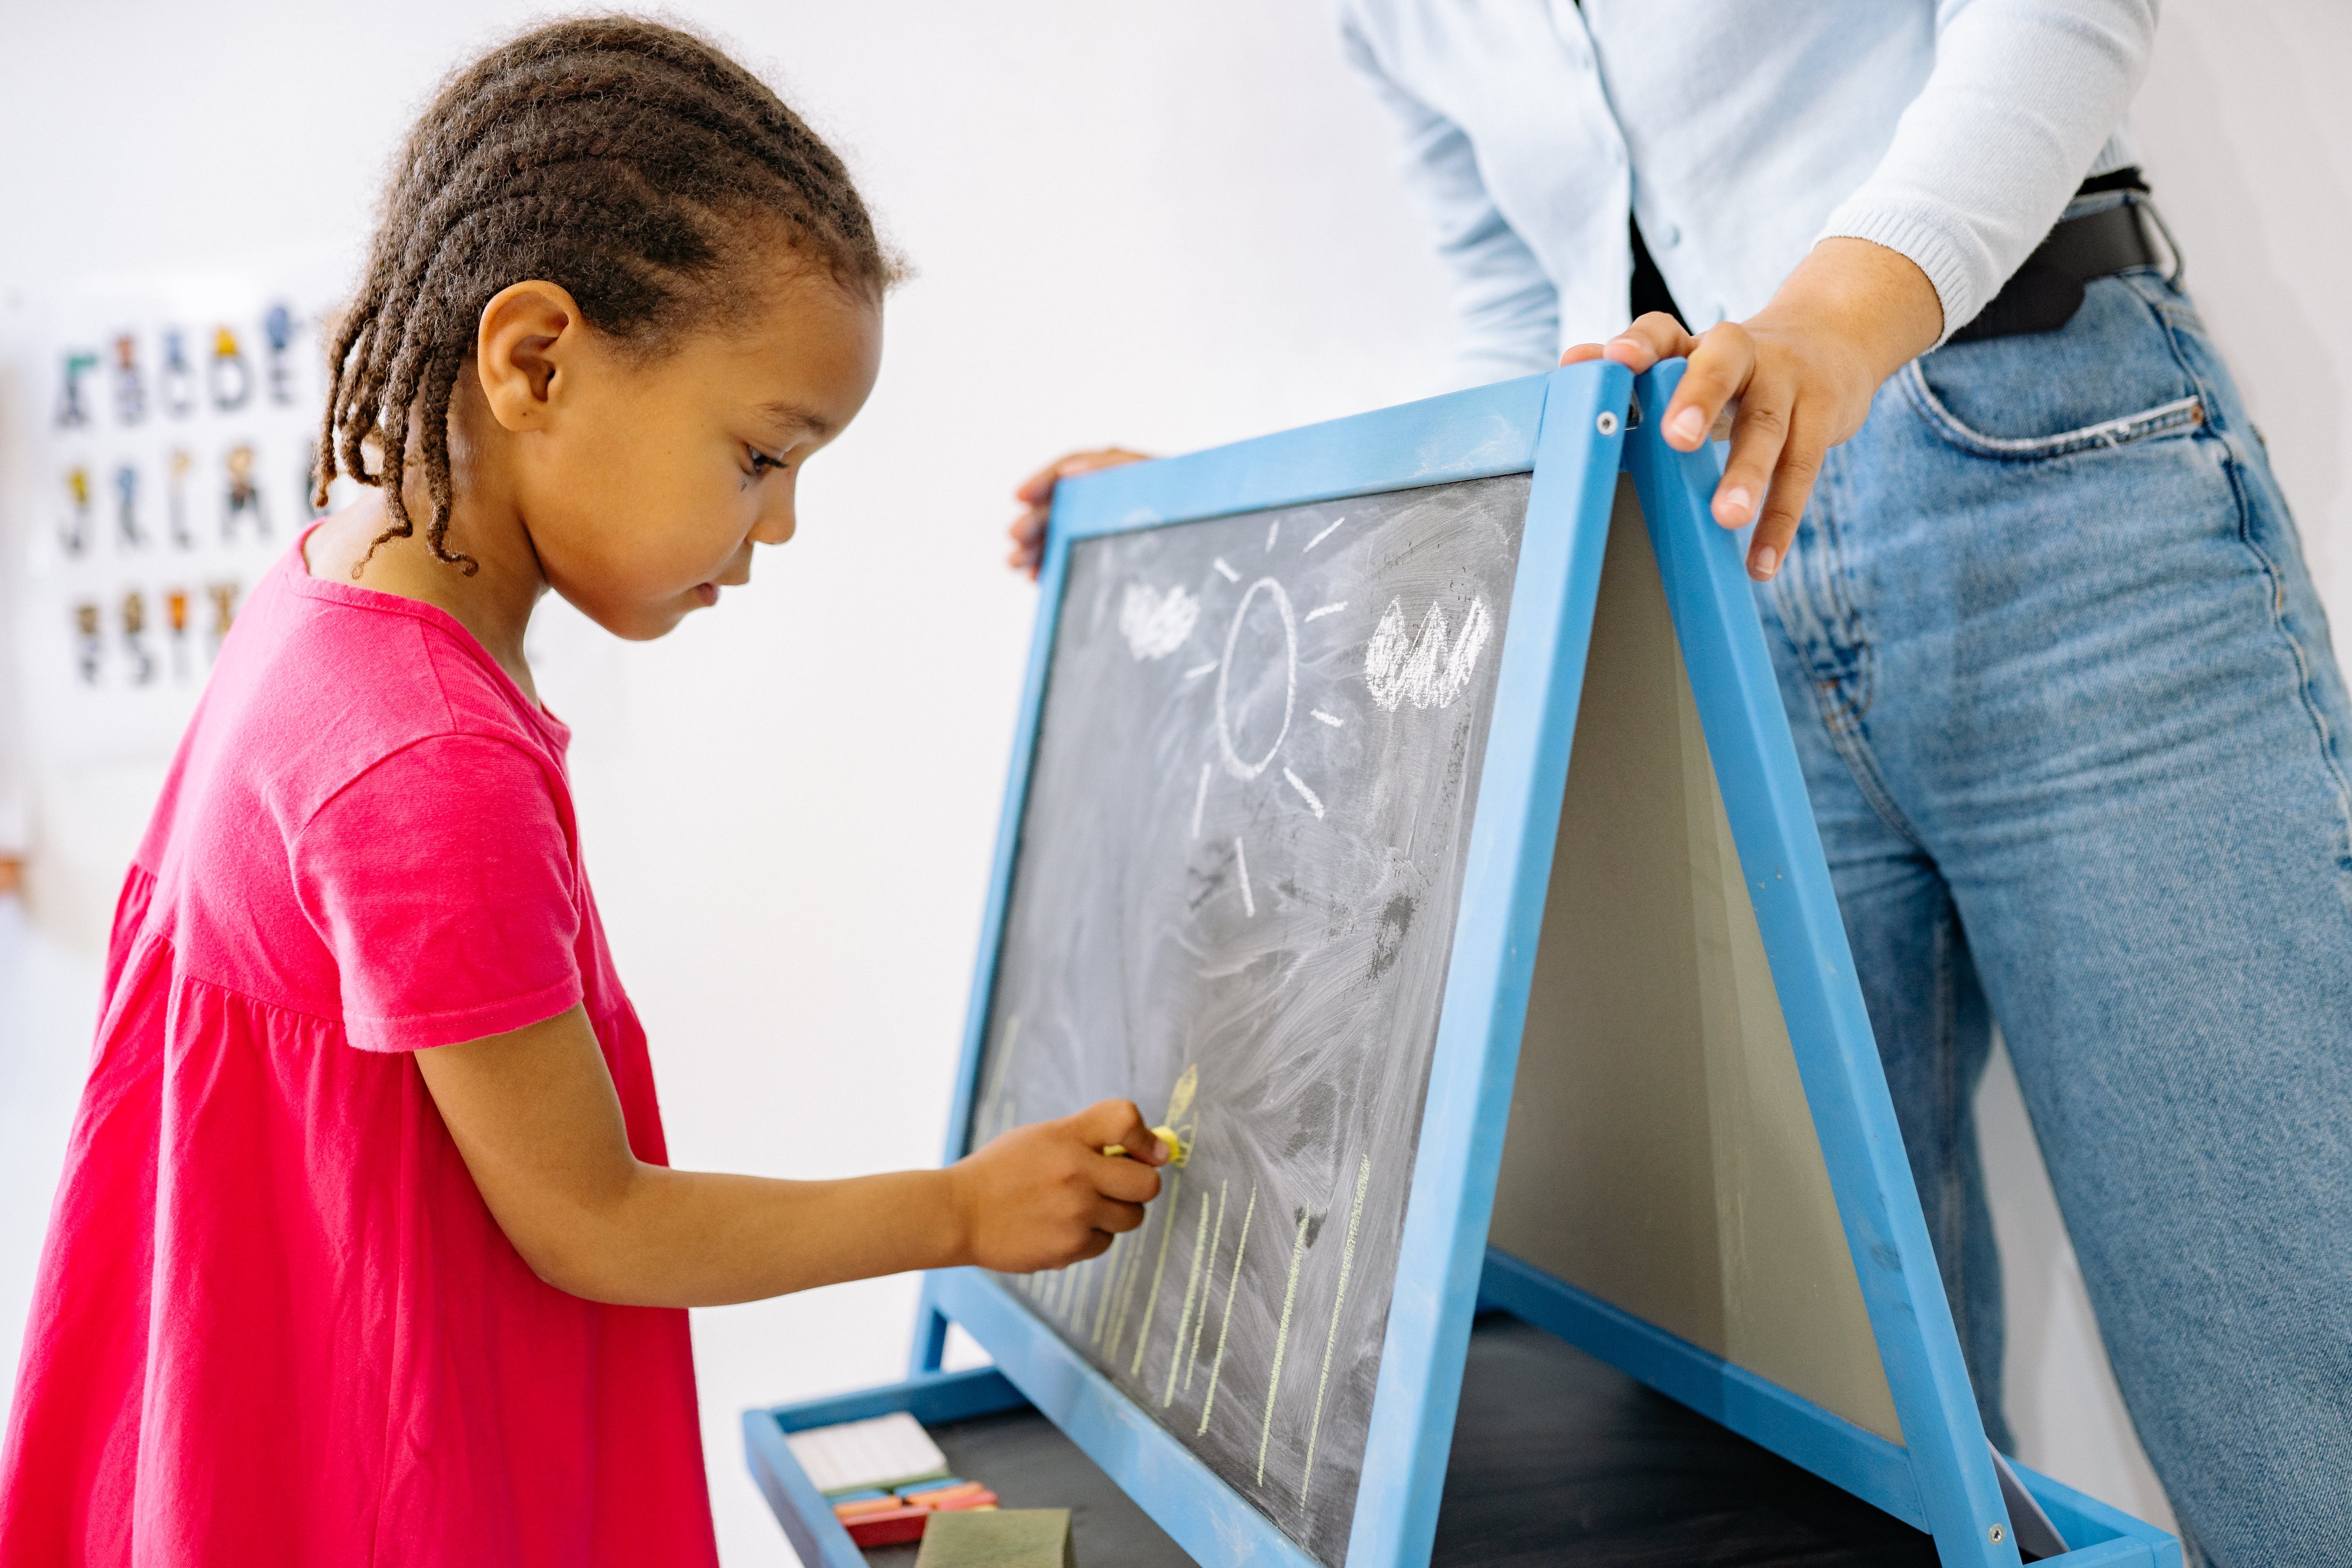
[
  {"x": 1792, "y": 485},
  {"x": 1758, "y": 436},
  {"x": 1581, "y": 353},
  {"x": 1127, "y": 1181},
  {"x": 1721, "y": 365},
  {"x": 1109, "y": 1121},
  {"x": 1114, "y": 1218}
]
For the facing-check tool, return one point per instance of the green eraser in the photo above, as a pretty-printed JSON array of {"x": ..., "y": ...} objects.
[{"x": 1002, "y": 1538}]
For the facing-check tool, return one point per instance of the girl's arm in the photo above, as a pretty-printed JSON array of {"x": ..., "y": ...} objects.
[{"x": 534, "y": 1114}]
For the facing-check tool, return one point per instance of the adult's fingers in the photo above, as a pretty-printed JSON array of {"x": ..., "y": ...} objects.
[
  {"x": 1721, "y": 365},
  {"x": 1792, "y": 484},
  {"x": 1038, "y": 488},
  {"x": 1758, "y": 436},
  {"x": 1028, "y": 535},
  {"x": 1650, "y": 339}
]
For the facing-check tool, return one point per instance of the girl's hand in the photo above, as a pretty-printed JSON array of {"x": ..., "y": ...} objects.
[
  {"x": 1044, "y": 1196},
  {"x": 1789, "y": 383},
  {"x": 1036, "y": 493}
]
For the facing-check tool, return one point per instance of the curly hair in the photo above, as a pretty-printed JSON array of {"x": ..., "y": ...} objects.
[{"x": 617, "y": 158}]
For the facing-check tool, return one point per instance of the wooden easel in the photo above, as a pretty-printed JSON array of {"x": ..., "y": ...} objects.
[{"x": 1701, "y": 1181}]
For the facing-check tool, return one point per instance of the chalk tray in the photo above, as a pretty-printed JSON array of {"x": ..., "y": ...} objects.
[{"x": 1559, "y": 1460}]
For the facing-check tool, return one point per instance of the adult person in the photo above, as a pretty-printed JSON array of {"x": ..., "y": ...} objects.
[{"x": 2062, "y": 690}]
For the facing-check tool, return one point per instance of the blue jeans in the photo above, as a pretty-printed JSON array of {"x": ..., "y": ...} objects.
[{"x": 2074, "y": 736}]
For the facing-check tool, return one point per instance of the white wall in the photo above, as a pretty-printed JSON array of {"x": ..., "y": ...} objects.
[{"x": 1167, "y": 224}]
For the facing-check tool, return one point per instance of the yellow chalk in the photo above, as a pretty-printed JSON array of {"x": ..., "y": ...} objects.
[{"x": 1177, "y": 1150}]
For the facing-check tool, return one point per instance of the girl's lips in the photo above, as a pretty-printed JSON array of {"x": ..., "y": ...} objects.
[{"x": 708, "y": 592}]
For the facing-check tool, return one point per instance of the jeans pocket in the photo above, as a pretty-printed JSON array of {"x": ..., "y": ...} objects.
[{"x": 2180, "y": 414}]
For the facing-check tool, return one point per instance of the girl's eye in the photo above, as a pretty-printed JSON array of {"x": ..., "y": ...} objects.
[{"x": 761, "y": 461}]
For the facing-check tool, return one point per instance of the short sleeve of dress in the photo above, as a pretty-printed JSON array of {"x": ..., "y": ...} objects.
[{"x": 442, "y": 883}]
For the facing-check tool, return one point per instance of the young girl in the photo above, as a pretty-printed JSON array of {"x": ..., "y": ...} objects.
[{"x": 367, "y": 1250}]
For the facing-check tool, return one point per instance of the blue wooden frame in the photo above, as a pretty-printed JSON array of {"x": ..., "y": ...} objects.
[{"x": 1573, "y": 429}]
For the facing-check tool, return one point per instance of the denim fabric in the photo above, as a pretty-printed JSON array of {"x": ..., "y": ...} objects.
[{"x": 2075, "y": 739}]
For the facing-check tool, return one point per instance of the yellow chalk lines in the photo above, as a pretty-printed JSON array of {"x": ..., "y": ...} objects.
[
  {"x": 1201, "y": 1323},
  {"x": 1106, "y": 1292},
  {"x": 1151, "y": 1297},
  {"x": 1232, "y": 1280},
  {"x": 1184, "y": 1318},
  {"x": 1332, "y": 1340},
  {"x": 1281, "y": 1342}
]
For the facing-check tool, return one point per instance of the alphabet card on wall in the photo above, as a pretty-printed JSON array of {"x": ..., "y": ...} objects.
[
  {"x": 156, "y": 462},
  {"x": 1404, "y": 811},
  {"x": 160, "y": 462}
]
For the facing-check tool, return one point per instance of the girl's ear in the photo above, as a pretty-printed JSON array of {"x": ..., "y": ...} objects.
[{"x": 531, "y": 333}]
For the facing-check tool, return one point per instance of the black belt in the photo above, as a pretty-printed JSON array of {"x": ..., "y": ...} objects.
[{"x": 2043, "y": 294}]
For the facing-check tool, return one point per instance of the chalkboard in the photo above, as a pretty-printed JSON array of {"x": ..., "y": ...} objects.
[
  {"x": 1290, "y": 787},
  {"x": 1234, "y": 902}
]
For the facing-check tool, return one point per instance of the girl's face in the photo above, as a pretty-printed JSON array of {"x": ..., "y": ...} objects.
[{"x": 644, "y": 484}]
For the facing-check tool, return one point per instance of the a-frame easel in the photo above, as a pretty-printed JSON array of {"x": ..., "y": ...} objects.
[{"x": 1922, "y": 1456}]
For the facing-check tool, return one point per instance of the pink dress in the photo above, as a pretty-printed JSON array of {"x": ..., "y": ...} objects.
[{"x": 275, "y": 1321}]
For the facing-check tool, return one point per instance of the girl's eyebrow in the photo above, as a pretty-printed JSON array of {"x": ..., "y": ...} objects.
[{"x": 794, "y": 416}]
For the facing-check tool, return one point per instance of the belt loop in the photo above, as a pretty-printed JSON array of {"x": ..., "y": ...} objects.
[{"x": 2179, "y": 262}]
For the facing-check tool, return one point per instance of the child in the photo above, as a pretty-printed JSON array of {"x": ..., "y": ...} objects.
[{"x": 367, "y": 1250}]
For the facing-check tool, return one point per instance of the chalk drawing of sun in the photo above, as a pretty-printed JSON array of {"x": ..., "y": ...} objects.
[{"x": 1256, "y": 692}]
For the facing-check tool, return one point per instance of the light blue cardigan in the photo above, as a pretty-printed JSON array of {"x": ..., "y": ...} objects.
[{"x": 1741, "y": 131}]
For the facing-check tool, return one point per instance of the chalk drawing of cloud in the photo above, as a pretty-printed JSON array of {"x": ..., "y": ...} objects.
[
  {"x": 1430, "y": 670},
  {"x": 1155, "y": 624}
]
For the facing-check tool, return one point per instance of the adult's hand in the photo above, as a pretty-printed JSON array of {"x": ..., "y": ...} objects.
[
  {"x": 1789, "y": 383},
  {"x": 1036, "y": 494}
]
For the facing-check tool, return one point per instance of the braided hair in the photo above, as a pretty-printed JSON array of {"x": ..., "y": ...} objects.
[{"x": 617, "y": 158}]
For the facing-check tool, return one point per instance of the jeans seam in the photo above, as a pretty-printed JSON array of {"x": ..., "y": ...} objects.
[
  {"x": 2306, "y": 669},
  {"x": 2181, "y": 414}
]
